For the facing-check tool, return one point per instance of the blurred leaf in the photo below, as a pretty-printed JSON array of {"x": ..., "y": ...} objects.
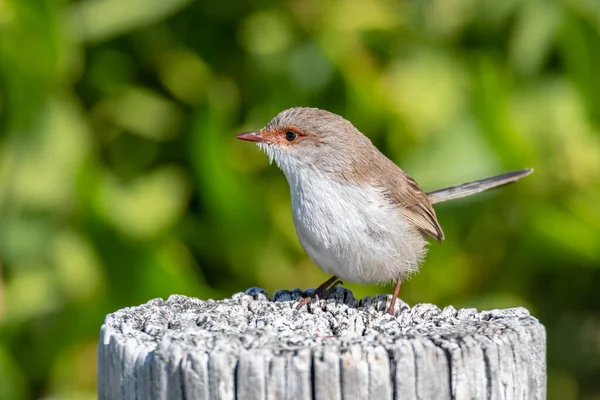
[
  {"x": 74, "y": 372},
  {"x": 426, "y": 88},
  {"x": 121, "y": 180},
  {"x": 580, "y": 52},
  {"x": 446, "y": 17},
  {"x": 266, "y": 32},
  {"x": 458, "y": 154},
  {"x": 13, "y": 384},
  {"x": 110, "y": 71},
  {"x": 185, "y": 75},
  {"x": 569, "y": 232},
  {"x": 562, "y": 386},
  {"x": 100, "y": 20},
  {"x": 310, "y": 70},
  {"x": 352, "y": 15},
  {"x": 27, "y": 76},
  {"x": 40, "y": 168},
  {"x": 142, "y": 112},
  {"x": 146, "y": 207},
  {"x": 552, "y": 118},
  {"x": 24, "y": 237},
  {"x": 77, "y": 266},
  {"x": 169, "y": 270},
  {"x": 31, "y": 292},
  {"x": 533, "y": 37},
  {"x": 490, "y": 104}
]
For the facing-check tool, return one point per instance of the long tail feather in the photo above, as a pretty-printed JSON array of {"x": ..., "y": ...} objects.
[{"x": 467, "y": 189}]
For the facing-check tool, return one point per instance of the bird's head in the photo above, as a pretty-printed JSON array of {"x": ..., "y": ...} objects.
[{"x": 308, "y": 138}]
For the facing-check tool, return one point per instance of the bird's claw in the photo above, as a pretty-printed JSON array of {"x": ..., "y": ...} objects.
[{"x": 318, "y": 294}]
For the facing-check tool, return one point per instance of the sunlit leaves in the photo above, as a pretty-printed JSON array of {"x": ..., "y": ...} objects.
[
  {"x": 142, "y": 112},
  {"x": 146, "y": 207},
  {"x": 120, "y": 179},
  {"x": 99, "y": 20}
]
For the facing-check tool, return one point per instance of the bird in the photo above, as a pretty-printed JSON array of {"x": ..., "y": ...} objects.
[{"x": 357, "y": 215}]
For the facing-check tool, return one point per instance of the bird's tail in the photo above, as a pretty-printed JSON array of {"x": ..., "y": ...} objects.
[{"x": 467, "y": 189}]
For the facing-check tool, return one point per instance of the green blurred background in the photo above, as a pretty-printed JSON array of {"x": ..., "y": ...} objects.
[{"x": 121, "y": 180}]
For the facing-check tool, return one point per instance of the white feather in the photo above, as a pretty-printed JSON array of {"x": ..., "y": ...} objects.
[{"x": 349, "y": 230}]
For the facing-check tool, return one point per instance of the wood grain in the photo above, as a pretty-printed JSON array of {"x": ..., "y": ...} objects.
[{"x": 252, "y": 347}]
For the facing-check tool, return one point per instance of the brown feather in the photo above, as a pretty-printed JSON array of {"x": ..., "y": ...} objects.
[
  {"x": 414, "y": 203},
  {"x": 402, "y": 190},
  {"x": 358, "y": 160}
]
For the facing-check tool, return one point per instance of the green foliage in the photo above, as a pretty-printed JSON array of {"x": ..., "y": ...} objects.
[{"x": 121, "y": 181}]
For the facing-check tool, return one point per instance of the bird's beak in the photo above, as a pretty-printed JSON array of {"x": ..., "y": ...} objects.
[{"x": 251, "y": 137}]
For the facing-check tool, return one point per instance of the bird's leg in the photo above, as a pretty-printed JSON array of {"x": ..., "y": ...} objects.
[
  {"x": 320, "y": 292},
  {"x": 330, "y": 288},
  {"x": 324, "y": 288},
  {"x": 390, "y": 309}
]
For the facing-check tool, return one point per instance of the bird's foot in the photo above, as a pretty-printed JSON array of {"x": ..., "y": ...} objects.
[{"x": 322, "y": 292}]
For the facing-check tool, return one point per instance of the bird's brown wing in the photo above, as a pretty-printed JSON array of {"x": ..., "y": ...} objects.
[
  {"x": 402, "y": 190},
  {"x": 413, "y": 203},
  {"x": 424, "y": 218}
]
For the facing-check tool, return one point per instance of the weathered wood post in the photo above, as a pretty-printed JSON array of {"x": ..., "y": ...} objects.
[{"x": 250, "y": 347}]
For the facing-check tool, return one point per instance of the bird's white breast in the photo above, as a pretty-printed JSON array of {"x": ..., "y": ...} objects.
[{"x": 352, "y": 231}]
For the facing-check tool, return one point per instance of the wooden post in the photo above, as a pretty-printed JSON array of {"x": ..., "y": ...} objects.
[{"x": 251, "y": 347}]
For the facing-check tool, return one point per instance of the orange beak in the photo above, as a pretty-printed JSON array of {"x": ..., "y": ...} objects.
[{"x": 251, "y": 137}]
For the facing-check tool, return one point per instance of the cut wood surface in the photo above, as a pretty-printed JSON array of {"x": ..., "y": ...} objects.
[{"x": 253, "y": 347}]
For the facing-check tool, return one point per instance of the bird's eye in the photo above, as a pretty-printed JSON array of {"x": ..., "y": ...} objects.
[{"x": 290, "y": 136}]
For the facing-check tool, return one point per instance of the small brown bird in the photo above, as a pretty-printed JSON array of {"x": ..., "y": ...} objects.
[{"x": 357, "y": 214}]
